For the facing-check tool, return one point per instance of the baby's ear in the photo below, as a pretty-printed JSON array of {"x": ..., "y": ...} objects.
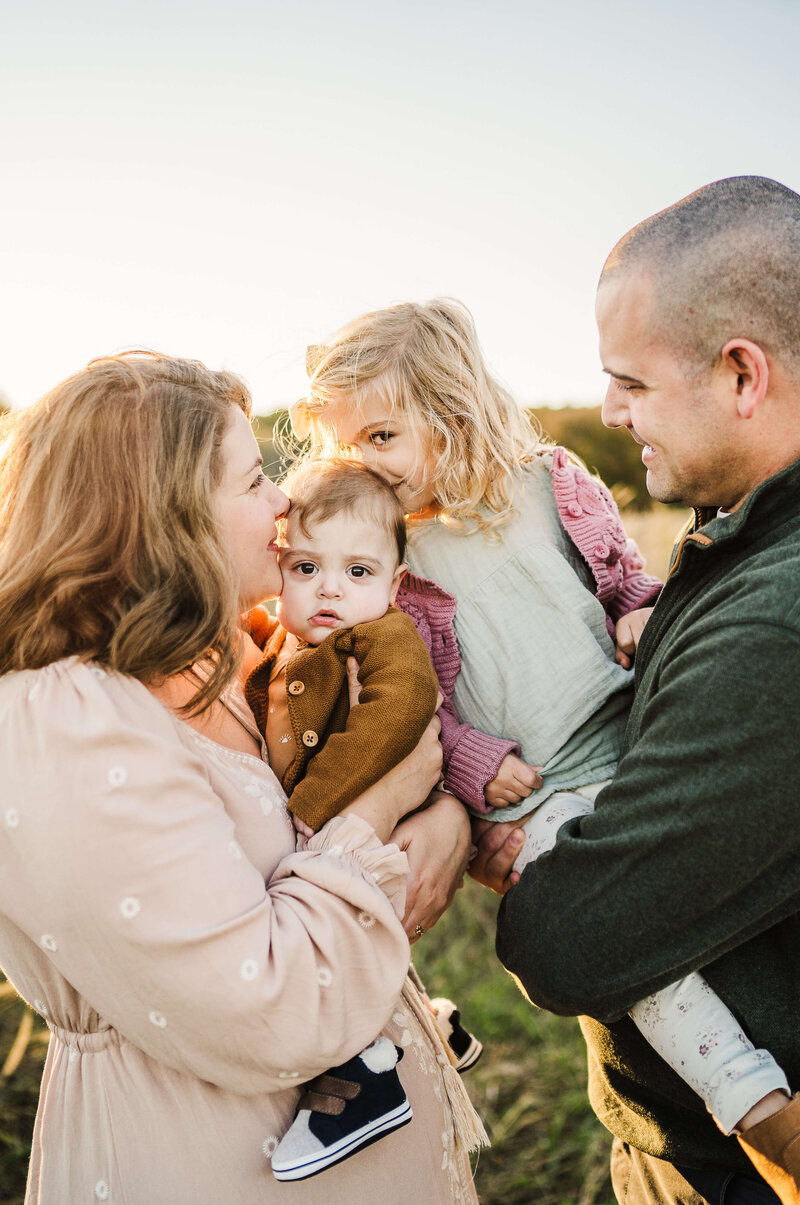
[{"x": 399, "y": 574}]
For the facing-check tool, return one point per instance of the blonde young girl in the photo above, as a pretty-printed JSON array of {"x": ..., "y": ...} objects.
[{"x": 534, "y": 552}]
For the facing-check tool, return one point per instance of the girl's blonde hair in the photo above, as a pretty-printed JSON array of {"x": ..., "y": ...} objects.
[
  {"x": 425, "y": 363},
  {"x": 109, "y": 549}
]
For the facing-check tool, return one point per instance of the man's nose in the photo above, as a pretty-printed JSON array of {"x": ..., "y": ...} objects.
[{"x": 615, "y": 412}]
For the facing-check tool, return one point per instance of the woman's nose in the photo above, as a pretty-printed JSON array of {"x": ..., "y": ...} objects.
[{"x": 279, "y": 500}]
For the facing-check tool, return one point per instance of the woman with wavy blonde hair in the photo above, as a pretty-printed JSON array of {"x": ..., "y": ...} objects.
[
  {"x": 108, "y": 546},
  {"x": 195, "y": 962}
]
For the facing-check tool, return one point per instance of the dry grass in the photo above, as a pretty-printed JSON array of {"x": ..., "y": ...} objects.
[{"x": 655, "y": 531}]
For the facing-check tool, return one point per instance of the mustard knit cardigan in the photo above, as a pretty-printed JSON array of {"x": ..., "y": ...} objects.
[{"x": 341, "y": 752}]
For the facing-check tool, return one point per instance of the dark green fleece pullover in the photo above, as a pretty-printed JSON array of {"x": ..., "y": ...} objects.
[{"x": 691, "y": 860}]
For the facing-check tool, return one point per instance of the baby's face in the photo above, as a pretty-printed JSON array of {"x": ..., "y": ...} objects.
[{"x": 345, "y": 572}]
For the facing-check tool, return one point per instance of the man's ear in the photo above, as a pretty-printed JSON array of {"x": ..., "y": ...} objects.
[
  {"x": 747, "y": 363},
  {"x": 399, "y": 574}
]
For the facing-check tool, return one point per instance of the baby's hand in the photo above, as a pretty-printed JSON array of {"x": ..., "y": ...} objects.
[
  {"x": 302, "y": 828},
  {"x": 629, "y": 633},
  {"x": 513, "y": 782}
]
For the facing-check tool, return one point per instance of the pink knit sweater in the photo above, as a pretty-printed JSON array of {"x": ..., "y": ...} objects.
[
  {"x": 590, "y": 518},
  {"x": 589, "y": 515}
]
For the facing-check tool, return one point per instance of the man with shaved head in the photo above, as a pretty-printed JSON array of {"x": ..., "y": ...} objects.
[{"x": 691, "y": 860}]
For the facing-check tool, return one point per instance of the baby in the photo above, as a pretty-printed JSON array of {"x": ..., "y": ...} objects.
[{"x": 342, "y": 564}]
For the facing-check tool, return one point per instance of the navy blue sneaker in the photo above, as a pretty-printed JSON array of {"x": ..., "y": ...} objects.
[
  {"x": 343, "y": 1111},
  {"x": 464, "y": 1045}
]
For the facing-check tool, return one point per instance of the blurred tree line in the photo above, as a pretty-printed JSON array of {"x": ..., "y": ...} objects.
[{"x": 613, "y": 455}]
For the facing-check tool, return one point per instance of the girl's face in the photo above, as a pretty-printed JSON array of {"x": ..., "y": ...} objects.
[
  {"x": 387, "y": 443},
  {"x": 247, "y": 506}
]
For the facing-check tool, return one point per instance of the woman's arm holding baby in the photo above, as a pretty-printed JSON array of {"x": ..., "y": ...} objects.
[{"x": 437, "y": 842}]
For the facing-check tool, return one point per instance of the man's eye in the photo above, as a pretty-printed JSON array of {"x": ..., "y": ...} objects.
[
  {"x": 307, "y": 568},
  {"x": 358, "y": 571},
  {"x": 257, "y": 482}
]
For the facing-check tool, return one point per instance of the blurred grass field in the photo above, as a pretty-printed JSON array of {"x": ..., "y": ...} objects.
[{"x": 530, "y": 1084}]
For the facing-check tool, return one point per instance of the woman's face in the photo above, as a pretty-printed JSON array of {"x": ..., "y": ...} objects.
[{"x": 247, "y": 506}]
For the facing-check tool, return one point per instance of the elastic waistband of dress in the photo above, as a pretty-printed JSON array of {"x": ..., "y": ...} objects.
[{"x": 86, "y": 1043}]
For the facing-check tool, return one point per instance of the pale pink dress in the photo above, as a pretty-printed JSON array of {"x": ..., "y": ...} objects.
[{"x": 193, "y": 966}]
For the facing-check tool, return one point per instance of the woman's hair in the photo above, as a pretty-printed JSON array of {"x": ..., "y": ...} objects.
[
  {"x": 109, "y": 549},
  {"x": 321, "y": 489},
  {"x": 425, "y": 363}
]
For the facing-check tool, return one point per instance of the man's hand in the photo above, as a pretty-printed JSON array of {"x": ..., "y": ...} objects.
[
  {"x": 512, "y": 783},
  {"x": 629, "y": 633},
  {"x": 437, "y": 843},
  {"x": 498, "y": 848}
]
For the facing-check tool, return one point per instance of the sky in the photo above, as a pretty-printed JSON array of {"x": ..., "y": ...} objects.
[{"x": 231, "y": 181}]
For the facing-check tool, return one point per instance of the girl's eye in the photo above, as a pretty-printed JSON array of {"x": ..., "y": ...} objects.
[
  {"x": 306, "y": 568},
  {"x": 257, "y": 482},
  {"x": 380, "y": 439},
  {"x": 358, "y": 571}
]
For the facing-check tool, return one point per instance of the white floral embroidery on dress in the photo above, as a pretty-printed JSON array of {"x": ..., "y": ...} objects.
[
  {"x": 12, "y": 817},
  {"x": 117, "y": 775},
  {"x": 130, "y": 907},
  {"x": 40, "y": 1008},
  {"x": 249, "y": 969},
  {"x": 260, "y": 791},
  {"x": 270, "y": 1145},
  {"x": 34, "y": 690},
  {"x": 74, "y": 1054},
  {"x": 324, "y": 977},
  {"x": 366, "y": 920},
  {"x": 101, "y": 1190},
  {"x": 288, "y": 1075},
  {"x": 234, "y": 849},
  {"x": 158, "y": 1019},
  {"x": 336, "y": 850},
  {"x": 48, "y": 942}
]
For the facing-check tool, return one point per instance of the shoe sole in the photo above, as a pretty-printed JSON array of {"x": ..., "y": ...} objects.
[
  {"x": 345, "y": 1147},
  {"x": 470, "y": 1056}
]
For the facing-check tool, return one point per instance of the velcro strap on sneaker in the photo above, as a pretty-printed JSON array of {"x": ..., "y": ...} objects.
[{"x": 327, "y": 1094}]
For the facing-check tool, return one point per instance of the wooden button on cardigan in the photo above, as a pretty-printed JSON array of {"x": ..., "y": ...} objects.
[{"x": 342, "y": 752}]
